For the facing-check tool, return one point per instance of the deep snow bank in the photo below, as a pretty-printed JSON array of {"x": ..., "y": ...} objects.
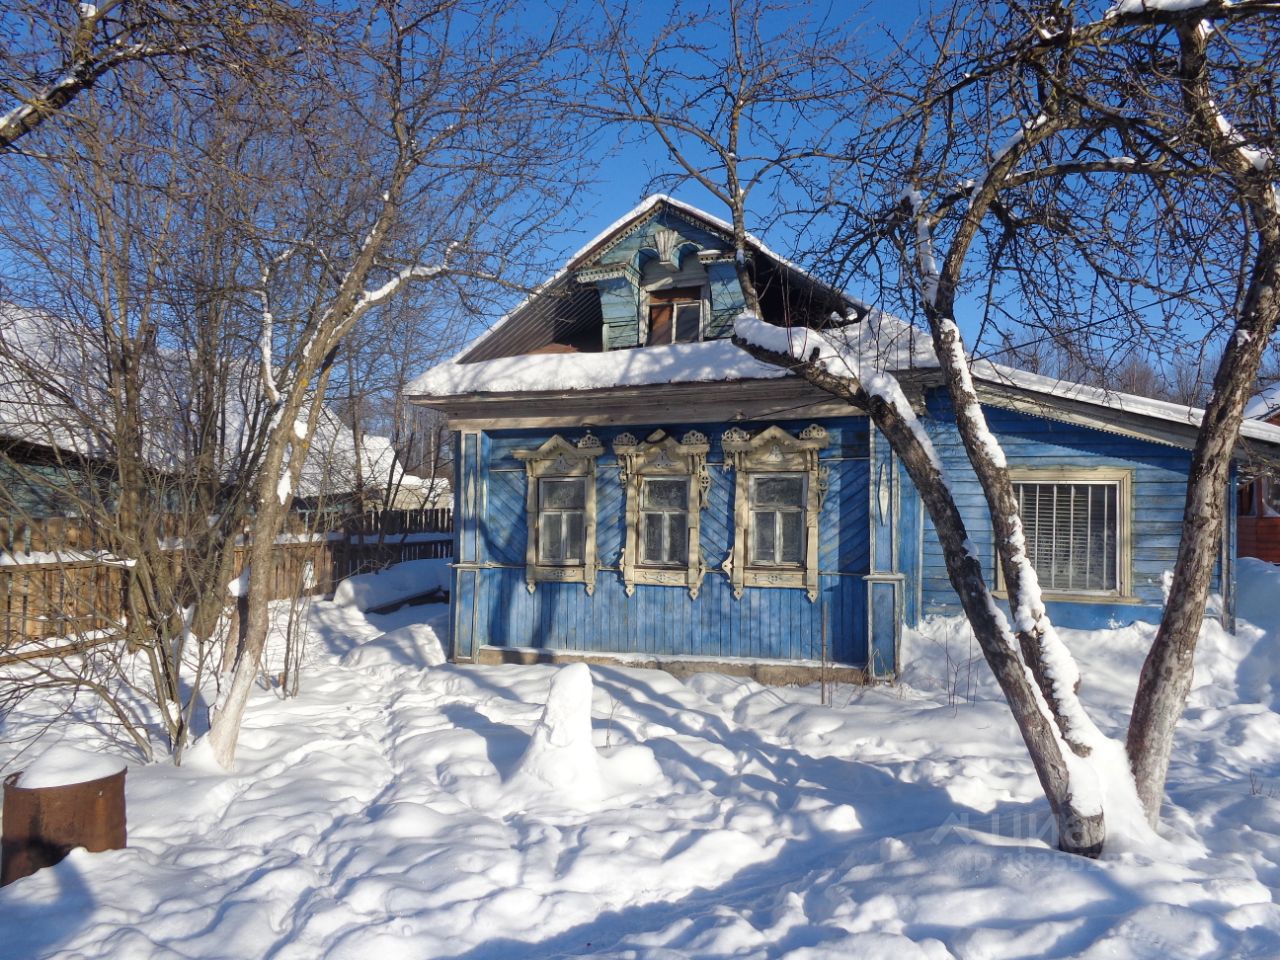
[{"x": 398, "y": 582}]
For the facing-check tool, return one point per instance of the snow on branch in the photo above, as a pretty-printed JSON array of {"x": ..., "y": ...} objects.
[
  {"x": 810, "y": 346},
  {"x": 371, "y": 298},
  {"x": 926, "y": 260}
]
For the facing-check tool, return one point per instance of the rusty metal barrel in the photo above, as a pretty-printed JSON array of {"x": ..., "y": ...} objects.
[{"x": 42, "y": 824}]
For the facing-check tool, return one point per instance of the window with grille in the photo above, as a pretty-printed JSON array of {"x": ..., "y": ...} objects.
[
  {"x": 664, "y": 520},
  {"x": 1075, "y": 528},
  {"x": 562, "y": 505},
  {"x": 777, "y": 519}
]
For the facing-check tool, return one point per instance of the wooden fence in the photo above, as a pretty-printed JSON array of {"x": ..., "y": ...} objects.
[{"x": 50, "y": 587}]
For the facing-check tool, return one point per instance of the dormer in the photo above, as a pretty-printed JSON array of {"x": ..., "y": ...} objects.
[
  {"x": 667, "y": 280},
  {"x": 664, "y": 273}
]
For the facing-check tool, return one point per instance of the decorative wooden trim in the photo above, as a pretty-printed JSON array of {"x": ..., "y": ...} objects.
[
  {"x": 774, "y": 450},
  {"x": 662, "y": 456},
  {"x": 1123, "y": 477},
  {"x": 560, "y": 458}
]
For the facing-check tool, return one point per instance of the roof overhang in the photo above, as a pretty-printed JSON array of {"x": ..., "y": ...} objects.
[
  {"x": 788, "y": 398},
  {"x": 1109, "y": 419}
]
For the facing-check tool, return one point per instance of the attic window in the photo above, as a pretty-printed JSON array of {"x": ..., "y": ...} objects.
[{"x": 675, "y": 316}]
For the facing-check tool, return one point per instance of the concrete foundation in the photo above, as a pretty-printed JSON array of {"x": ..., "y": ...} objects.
[{"x": 777, "y": 674}]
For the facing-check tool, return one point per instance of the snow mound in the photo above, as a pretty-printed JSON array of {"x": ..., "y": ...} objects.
[
  {"x": 398, "y": 582},
  {"x": 415, "y": 645},
  {"x": 62, "y": 766},
  {"x": 561, "y": 755}
]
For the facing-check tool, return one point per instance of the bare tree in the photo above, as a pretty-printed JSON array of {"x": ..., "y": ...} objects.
[
  {"x": 1093, "y": 144},
  {"x": 437, "y": 145},
  {"x": 982, "y": 154},
  {"x": 119, "y": 349},
  {"x": 55, "y": 52}
]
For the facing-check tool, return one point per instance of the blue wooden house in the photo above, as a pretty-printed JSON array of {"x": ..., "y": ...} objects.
[{"x": 631, "y": 485}]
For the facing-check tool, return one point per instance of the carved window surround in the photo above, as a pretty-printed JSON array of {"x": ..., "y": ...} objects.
[
  {"x": 661, "y": 456},
  {"x": 560, "y": 458},
  {"x": 774, "y": 450}
]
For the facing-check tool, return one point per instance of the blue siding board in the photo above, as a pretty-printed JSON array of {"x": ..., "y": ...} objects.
[
  {"x": 1159, "y": 489},
  {"x": 784, "y": 623}
]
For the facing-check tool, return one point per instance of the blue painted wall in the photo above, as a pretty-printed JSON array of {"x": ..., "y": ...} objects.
[
  {"x": 494, "y": 607},
  {"x": 899, "y": 551},
  {"x": 1159, "y": 491}
]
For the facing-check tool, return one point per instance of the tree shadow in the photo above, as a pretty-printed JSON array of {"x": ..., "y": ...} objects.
[
  {"x": 504, "y": 743},
  {"x": 45, "y": 910},
  {"x": 886, "y": 807}
]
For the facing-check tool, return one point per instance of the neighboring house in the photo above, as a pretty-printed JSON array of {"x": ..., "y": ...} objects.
[
  {"x": 1258, "y": 519},
  {"x": 631, "y": 484},
  {"x": 55, "y": 445}
]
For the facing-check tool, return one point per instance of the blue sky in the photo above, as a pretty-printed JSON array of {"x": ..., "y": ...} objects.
[{"x": 623, "y": 174}]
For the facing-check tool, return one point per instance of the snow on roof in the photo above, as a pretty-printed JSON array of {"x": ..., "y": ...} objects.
[
  {"x": 636, "y": 213},
  {"x": 1265, "y": 405},
  {"x": 880, "y": 338},
  {"x": 887, "y": 342},
  {"x": 331, "y": 465},
  {"x": 706, "y": 362},
  {"x": 1111, "y": 399}
]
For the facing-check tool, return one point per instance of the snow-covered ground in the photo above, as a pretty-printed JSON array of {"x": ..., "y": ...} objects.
[{"x": 401, "y": 807}]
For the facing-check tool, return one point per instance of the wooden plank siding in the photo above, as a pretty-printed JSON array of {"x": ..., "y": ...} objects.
[
  {"x": 496, "y": 609},
  {"x": 1159, "y": 492}
]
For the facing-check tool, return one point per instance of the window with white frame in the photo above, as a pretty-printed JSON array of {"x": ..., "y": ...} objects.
[
  {"x": 666, "y": 483},
  {"x": 560, "y": 507},
  {"x": 778, "y": 504},
  {"x": 1076, "y": 525},
  {"x": 562, "y": 515}
]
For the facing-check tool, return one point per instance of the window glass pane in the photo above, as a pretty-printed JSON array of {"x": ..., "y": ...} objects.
[
  {"x": 782, "y": 490},
  {"x": 669, "y": 494},
  {"x": 659, "y": 324},
  {"x": 677, "y": 538},
  {"x": 552, "y": 547},
  {"x": 566, "y": 493},
  {"x": 573, "y": 539},
  {"x": 1271, "y": 497},
  {"x": 652, "y": 523},
  {"x": 1071, "y": 531},
  {"x": 688, "y": 321},
  {"x": 792, "y": 537},
  {"x": 763, "y": 536}
]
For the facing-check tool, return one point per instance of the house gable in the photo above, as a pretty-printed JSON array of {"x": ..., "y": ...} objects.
[{"x": 602, "y": 299}]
